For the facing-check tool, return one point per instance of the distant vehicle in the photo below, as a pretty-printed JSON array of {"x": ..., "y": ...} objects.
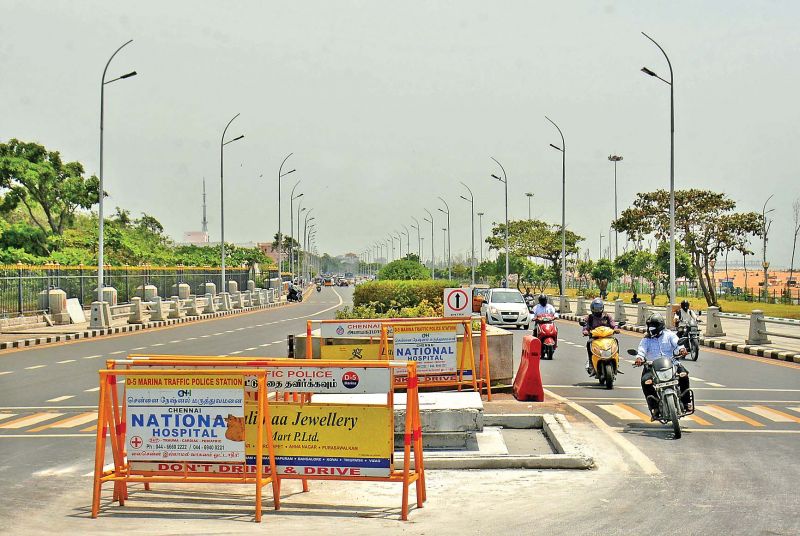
[
  {"x": 343, "y": 282},
  {"x": 479, "y": 293},
  {"x": 328, "y": 281},
  {"x": 506, "y": 307}
]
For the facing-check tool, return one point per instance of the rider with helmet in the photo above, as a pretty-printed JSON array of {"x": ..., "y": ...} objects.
[
  {"x": 596, "y": 318},
  {"x": 542, "y": 308},
  {"x": 656, "y": 343},
  {"x": 684, "y": 318}
]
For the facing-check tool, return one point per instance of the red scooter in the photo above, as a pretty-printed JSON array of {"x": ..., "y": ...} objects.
[{"x": 547, "y": 333}]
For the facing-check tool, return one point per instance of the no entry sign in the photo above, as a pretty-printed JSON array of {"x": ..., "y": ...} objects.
[{"x": 457, "y": 302}]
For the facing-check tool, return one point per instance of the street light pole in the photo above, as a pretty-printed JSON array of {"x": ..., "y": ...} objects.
[
  {"x": 601, "y": 246},
  {"x": 671, "y": 166},
  {"x": 529, "y": 195},
  {"x": 408, "y": 241},
  {"x": 449, "y": 251},
  {"x": 614, "y": 158},
  {"x": 472, "y": 226},
  {"x": 504, "y": 180},
  {"x": 419, "y": 239},
  {"x": 433, "y": 257},
  {"x": 100, "y": 192},
  {"x": 281, "y": 174},
  {"x": 305, "y": 239},
  {"x": 292, "y": 197},
  {"x": 222, "y": 144},
  {"x": 563, "y": 150},
  {"x": 480, "y": 232},
  {"x": 764, "y": 231}
]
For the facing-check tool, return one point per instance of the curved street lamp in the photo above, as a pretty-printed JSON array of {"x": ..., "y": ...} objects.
[
  {"x": 433, "y": 256},
  {"x": 449, "y": 252},
  {"x": 281, "y": 174},
  {"x": 504, "y": 180},
  {"x": 563, "y": 150},
  {"x": 472, "y": 226},
  {"x": 222, "y": 144}
]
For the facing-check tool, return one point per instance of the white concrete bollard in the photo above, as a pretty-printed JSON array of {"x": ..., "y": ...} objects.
[
  {"x": 757, "y": 329},
  {"x": 175, "y": 308},
  {"x": 251, "y": 285},
  {"x": 619, "y": 311},
  {"x": 156, "y": 312},
  {"x": 580, "y": 306},
  {"x": 137, "y": 311},
  {"x": 669, "y": 316},
  {"x": 714, "y": 323},
  {"x": 210, "y": 307},
  {"x": 194, "y": 310},
  {"x": 225, "y": 302},
  {"x": 233, "y": 287},
  {"x": 563, "y": 305},
  {"x": 236, "y": 300},
  {"x": 641, "y": 313},
  {"x": 245, "y": 298},
  {"x": 100, "y": 316}
]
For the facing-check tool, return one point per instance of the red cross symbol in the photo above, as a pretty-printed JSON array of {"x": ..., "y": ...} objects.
[{"x": 136, "y": 442}]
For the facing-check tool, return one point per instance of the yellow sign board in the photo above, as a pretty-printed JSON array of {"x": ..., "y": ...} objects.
[
  {"x": 368, "y": 352},
  {"x": 326, "y": 439}
]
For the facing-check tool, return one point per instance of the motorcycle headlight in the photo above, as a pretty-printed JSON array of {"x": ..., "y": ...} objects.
[
  {"x": 664, "y": 375},
  {"x": 606, "y": 353}
]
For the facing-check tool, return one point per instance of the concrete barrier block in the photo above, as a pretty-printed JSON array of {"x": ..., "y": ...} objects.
[
  {"x": 100, "y": 316},
  {"x": 233, "y": 287},
  {"x": 182, "y": 290},
  {"x": 245, "y": 299},
  {"x": 713, "y": 323},
  {"x": 208, "y": 288},
  {"x": 564, "y": 306},
  {"x": 619, "y": 311},
  {"x": 251, "y": 285},
  {"x": 758, "y": 328},
  {"x": 580, "y": 306},
  {"x": 146, "y": 292},
  {"x": 137, "y": 311},
  {"x": 641, "y": 313},
  {"x": 175, "y": 308},
  {"x": 156, "y": 310},
  {"x": 256, "y": 297},
  {"x": 210, "y": 305},
  {"x": 225, "y": 302},
  {"x": 194, "y": 309},
  {"x": 236, "y": 300}
]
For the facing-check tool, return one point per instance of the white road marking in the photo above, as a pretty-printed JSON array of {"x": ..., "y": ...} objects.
[
  {"x": 220, "y": 333},
  {"x": 6, "y": 372},
  {"x": 105, "y": 468},
  {"x": 249, "y": 349},
  {"x": 175, "y": 342},
  {"x": 204, "y": 336},
  {"x": 66, "y": 361},
  {"x": 61, "y": 398},
  {"x": 138, "y": 348},
  {"x": 69, "y": 422},
  {"x": 92, "y": 356},
  {"x": 6, "y": 415},
  {"x": 29, "y": 420},
  {"x": 159, "y": 344},
  {"x": 712, "y": 384},
  {"x": 645, "y": 463},
  {"x": 237, "y": 352},
  {"x": 277, "y": 342},
  {"x": 767, "y": 413},
  {"x": 191, "y": 338},
  {"x": 266, "y": 344},
  {"x": 695, "y": 378},
  {"x": 92, "y": 390},
  {"x": 229, "y": 331},
  {"x": 35, "y": 367},
  {"x": 239, "y": 329},
  {"x": 117, "y": 352},
  {"x": 717, "y": 414}
]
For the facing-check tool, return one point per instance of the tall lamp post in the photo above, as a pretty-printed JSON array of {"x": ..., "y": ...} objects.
[
  {"x": 480, "y": 232},
  {"x": 419, "y": 238},
  {"x": 399, "y": 236},
  {"x": 671, "y": 85},
  {"x": 504, "y": 180},
  {"x": 433, "y": 256},
  {"x": 100, "y": 191},
  {"x": 300, "y": 209},
  {"x": 472, "y": 226},
  {"x": 614, "y": 158},
  {"x": 449, "y": 251},
  {"x": 601, "y": 246},
  {"x": 529, "y": 195},
  {"x": 292, "y": 197},
  {"x": 765, "y": 226},
  {"x": 408, "y": 241},
  {"x": 222, "y": 144},
  {"x": 305, "y": 239},
  {"x": 563, "y": 150},
  {"x": 281, "y": 174}
]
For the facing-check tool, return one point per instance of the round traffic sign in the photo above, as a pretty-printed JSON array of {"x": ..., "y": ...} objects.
[{"x": 457, "y": 300}]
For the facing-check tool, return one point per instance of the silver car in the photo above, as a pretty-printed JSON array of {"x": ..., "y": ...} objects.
[{"x": 506, "y": 307}]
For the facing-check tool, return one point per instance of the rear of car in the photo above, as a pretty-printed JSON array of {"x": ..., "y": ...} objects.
[{"x": 506, "y": 307}]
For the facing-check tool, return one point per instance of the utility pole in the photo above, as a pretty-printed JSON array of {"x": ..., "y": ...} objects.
[
  {"x": 614, "y": 158},
  {"x": 764, "y": 232},
  {"x": 204, "y": 223},
  {"x": 529, "y": 195}
]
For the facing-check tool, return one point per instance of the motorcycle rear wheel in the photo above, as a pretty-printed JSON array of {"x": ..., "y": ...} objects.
[
  {"x": 609, "y": 376},
  {"x": 672, "y": 414},
  {"x": 695, "y": 349}
]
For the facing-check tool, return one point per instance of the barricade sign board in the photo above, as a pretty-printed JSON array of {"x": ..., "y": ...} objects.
[
  {"x": 350, "y": 328},
  {"x": 331, "y": 380},
  {"x": 329, "y": 439},
  {"x": 366, "y": 351},
  {"x": 194, "y": 418},
  {"x": 457, "y": 302},
  {"x": 431, "y": 346}
]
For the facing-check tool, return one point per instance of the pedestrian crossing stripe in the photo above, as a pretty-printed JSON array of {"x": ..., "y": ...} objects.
[
  {"x": 7, "y": 415},
  {"x": 717, "y": 414},
  {"x": 28, "y": 420},
  {"x": 69, "y": 422},
  {"x": 772, "y": 414},
  {"x": 738, "y": 416}
]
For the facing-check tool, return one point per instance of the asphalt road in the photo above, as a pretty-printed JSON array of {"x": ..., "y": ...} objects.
[{"x": 734, "y": 471}]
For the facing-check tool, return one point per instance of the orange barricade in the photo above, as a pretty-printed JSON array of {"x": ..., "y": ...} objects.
[
  {"x": 189, "y": 439},
  {"x": 375, "y": 349},
  {"x": 302, "y": 457}
]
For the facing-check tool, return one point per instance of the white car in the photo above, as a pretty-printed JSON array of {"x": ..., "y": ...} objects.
[{"x": 506, "y": 307}]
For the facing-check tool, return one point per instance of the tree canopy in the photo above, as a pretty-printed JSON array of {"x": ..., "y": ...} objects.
[{"x": 404, "y": 269}]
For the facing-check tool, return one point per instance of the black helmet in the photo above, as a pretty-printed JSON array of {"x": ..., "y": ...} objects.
[
  {"x": 655, "y": 325},
  {"x": 597, "y": 306},
  {"x": 542, "y": 299},
  {"x": 685, "y": 305}
]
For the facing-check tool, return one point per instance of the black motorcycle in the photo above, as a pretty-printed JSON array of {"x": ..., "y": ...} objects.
[
  {"x": 665, "y": 382},
  {"x": 691, "y": 334},
  {"x": 294, "y": 296},
  {"x": 319, "y": 287}
]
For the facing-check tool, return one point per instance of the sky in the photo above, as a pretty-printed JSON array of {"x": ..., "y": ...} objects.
[{"x": 388, "y": 105}]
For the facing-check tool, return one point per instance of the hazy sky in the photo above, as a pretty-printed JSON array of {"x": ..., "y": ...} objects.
[{"x": 387, "y": 105}]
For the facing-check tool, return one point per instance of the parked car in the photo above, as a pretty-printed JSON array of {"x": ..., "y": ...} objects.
[{"x": 505, "y": 307}]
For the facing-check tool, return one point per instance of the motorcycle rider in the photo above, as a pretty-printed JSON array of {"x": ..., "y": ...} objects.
[
  {"x": 542, "y": 308},
  {"x": 658, "y": 342},
  {"x": 684, "y": 318},
  {"x": 292, "y": 292},
  {"x": 596, "y": 318}
]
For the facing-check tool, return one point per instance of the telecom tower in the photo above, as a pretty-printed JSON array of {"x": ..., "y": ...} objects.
[{"x": 205, "y": 220}]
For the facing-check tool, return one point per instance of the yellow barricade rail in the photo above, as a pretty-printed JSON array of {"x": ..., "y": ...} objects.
[
  {"x": 378, "y": 348},
  {"x": 278, "y": 383},
  {"x": 112, "y": 422}
]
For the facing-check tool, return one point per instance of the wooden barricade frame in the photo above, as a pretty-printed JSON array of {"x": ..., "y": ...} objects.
[
  {"x": 482, "y": 373},
  {"x": 111, "y": 422},
  {"x": 413, "y": 471}
]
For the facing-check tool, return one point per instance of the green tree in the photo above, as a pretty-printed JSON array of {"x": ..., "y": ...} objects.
[
  {"x": 706, "y": 224},
  {"x": 539, "y": 276},
  {"x": 534, "y": 238},
  {"x": 38, "y": 179},
  {"x": 403, "y": 269},
  {"x": 603, "y": 271},
  {"x": 584, "y": 272}
]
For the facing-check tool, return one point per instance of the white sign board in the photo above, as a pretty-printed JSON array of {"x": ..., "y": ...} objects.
[
  {"x": 75, "y": 311},
  {"x": 457, "y": 301},
  {"x": 432, "y": 346},
  {"x": 188, "y": 417},
  {"x": 329, "y": 380},
  {"x": 349, "y": 328}
]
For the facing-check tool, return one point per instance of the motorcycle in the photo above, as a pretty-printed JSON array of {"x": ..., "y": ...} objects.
[
  {"x": 547, "y": 333},
  {"x": 319, "y": 287},
  {"x": 530, "y": 301},
  {"x": 690, "y": 331},
  {"x": 605, "y": 354},
  {"x": 665, "y": 381},
  {"x": 294, "y": 296}
]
